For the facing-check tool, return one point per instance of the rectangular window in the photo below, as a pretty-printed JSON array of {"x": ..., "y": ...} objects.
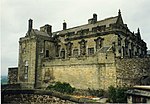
[
  {"x": 75, "y": 52},
  {"x": 90, "y": 51},
  {"x": 47, "y": 53},
  {"x": 25, "y": 76},
  {"x": 26, "y": 70},
  {"x": 62, "y": 53}
]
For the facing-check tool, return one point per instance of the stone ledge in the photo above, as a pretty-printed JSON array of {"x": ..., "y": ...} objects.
[{"x": 43, "y": 93}]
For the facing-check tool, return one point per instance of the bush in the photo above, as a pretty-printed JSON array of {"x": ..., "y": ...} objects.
[
  {"x": 117, "y": 95},
  {"x": 61, "y": 87},
  {"x": 97, "y": 93}
]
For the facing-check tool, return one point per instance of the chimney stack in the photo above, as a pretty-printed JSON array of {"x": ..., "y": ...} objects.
[
  {"x": 30, "y": 24},
  {"x": 64, "y": 25},
  {"x": 48, "y": 29},
  {"x": 95, "y": 17}
]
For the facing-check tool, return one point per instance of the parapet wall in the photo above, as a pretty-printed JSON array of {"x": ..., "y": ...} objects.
[
  {"x": 12, "y": 75},
  {"x": 130, "y": 71}
]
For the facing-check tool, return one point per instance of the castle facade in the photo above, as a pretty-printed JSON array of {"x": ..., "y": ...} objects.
[{"x": 95, "y": 55}]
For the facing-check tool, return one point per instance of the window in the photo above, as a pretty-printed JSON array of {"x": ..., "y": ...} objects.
[
  {"x": 69, "y": 48},
  {"x": 85, "y": 31},
  {"x": 26, "y": 70},
  {"x": 90, "y": 51},
  {"x": 119, "y": 40},
  {"x": 101, "y": 28},
  {"x": 123, "y": 51},
  {"x": 99, "y": 42},
  {"x": 82, "y": 47},
  {"x": 62, "y": 53},
  {"x": 57, "y": 50},
  {"x": 47, "y": 53},
  {"x": 75, "y": 52},
  {"x": 126, "y": 43},
  {"x": 26, "y": 76},
  {"x": 94, "y": 29},
  {"x": 80, "y": 32}
]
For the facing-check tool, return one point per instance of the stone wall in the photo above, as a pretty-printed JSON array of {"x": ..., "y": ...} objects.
[
  {"x": 130, "y": 71},
  {"x": 94, "y": 72},
  {"x": 12, "y": 75},
  {"x": 34, "y": 96},
  {"x": 27, "y": 60}
]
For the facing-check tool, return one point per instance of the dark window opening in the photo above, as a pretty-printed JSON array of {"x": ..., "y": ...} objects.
[
  {"x": 69, "y": 48},
  {"x": 130, "y": 53},
  {"x": 82, "y": 47},
  {"x": 90, "y": 51},
  {"x": 99, "y": 42},
  {"x": 47, "y": 53},
  {"x": 94, "y": 29},
  {"x": 123, "y": 51},
  {"x": 62, "y": 53}
]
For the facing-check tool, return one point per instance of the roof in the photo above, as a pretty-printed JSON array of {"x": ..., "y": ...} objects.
[
  {"x": 106, "y": 21},
  {"x": 37, "y": 32},
  {"x": 142, "y": 87},
  {"x": 140, "y": 91}
]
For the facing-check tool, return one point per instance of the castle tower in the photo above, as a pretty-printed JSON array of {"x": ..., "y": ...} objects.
[
  {"x": 27, "y": 58},
  {"x": 33, "y": 48}
]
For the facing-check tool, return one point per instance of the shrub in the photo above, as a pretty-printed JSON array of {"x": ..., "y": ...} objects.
[
  {"x": 117, "y": 95},
  {"x": 61, "y": 87},
  {"x": 97, "y": 93}
]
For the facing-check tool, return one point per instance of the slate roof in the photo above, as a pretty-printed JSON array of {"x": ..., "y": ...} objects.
[{"x": 106, "y": 21}]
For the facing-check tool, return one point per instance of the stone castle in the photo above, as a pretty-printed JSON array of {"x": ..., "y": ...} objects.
[{"x": 95, "y": 55}]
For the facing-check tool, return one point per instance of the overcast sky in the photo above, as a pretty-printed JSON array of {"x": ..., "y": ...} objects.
[{"x": 15, "y": 15}]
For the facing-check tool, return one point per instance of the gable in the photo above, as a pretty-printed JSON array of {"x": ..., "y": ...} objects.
[{"x": 119, "y": 20}]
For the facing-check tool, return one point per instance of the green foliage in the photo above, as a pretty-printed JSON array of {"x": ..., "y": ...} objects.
[
  {"x": 117, "y": 95},
  {"x": 97, "y": 93},
  {"x": 61, "y": 87}
]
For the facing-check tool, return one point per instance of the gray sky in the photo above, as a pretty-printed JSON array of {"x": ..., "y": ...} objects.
[{"x": 15, "y": 14}]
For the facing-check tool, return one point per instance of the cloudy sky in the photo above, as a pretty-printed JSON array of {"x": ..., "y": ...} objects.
[{"x": 15, "y": 14}]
